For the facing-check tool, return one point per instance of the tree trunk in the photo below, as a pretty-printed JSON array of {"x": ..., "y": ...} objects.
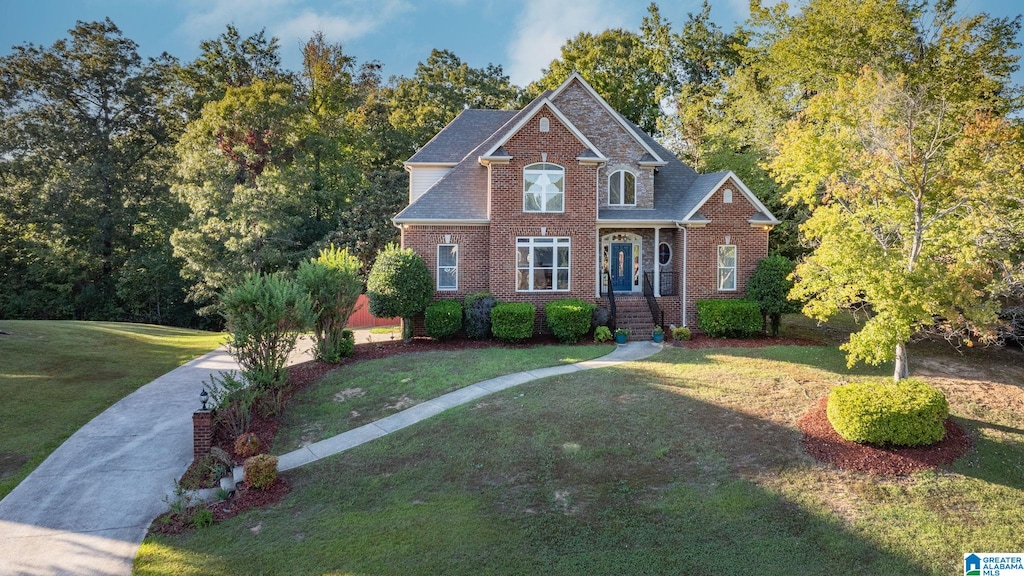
[
  {"x": 407, "y": 330},
  {"x": 902, "y": 368}
]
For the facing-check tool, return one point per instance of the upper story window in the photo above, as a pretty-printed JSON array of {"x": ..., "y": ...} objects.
[
  {"x": 622, "y": 189},
  {"x": 726, "y": 268},
  {"x": 543, "y": 188}
]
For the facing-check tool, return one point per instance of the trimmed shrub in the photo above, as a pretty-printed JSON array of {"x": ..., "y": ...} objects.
[
  {"x": 602, "y": 334},
  {"x": 600, "y": 317},
  {"x": 247, "y": 444},
  {"x": 681, "y": 333},
  {"x": 333, "y": 283},
  {"x": 729, "y": 318},
  {"x": 261, "y": 471},
  {"x": 399, "y": 284},
  {"x": 265, "y": 314},
  {"x": 906, "y": 413},
  {"x": 769, "y": 286},
  {"x": 568, "y": 319},
  {"x": 477, "y": 309},
  {"x": 512, "y": 321},
  {"x": 443, "y": 319}
]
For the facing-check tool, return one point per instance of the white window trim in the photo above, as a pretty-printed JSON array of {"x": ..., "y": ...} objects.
[
  {"x": 622, "y": 186},
  {"x": 439, "y": 267},
  {"x": 719, "y": 267},
  {"x": 558, "y": 242},
  {"x": 543, "y": 203},
  {"x": 669, "y": 244}
]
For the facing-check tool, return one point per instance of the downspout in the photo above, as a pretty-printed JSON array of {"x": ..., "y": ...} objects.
[{"x": 686, "y": 255}]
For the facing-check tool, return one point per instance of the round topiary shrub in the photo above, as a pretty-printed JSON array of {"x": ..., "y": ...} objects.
[
  {"x": 261, "y": 471},
  {"x": 443, "y": 319},
  {"x": 247, "y": 444},
  {"x": 907, "y": 413}
]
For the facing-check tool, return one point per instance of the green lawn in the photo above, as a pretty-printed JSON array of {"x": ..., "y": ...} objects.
[
  {"x": 361, "y": 393},
  {"x": 56, "y": 376},
  {"x": 686, "y": 463}
]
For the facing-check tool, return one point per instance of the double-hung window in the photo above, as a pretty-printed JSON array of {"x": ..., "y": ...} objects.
[
  {"x": 726, "y": 268},
  {"x": 448, "y": 267},
  {"x": 622, "y": 189},
  {"x": 542, "y": 264},
  {"x": 543, "y": 188}
]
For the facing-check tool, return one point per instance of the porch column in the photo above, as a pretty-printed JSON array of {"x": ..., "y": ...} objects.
[{"x": 657, "y": 262}]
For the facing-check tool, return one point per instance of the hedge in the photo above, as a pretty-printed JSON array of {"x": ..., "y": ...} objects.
[
  {"x": 443, "y": 319},
  {"x": 907, "y": 413},
  {"x": 729, "y": 318},
  {"x": 512, "y": 322},
  {"x": 568, "y": 319}
]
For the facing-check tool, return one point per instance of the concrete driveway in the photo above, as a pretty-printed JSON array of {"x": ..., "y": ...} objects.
[{"x": 85, "y": 509}]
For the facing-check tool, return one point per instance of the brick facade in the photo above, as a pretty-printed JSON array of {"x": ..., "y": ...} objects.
[
  {"x": 729, "y": 225},
  {"x": 487, "y": 253}
]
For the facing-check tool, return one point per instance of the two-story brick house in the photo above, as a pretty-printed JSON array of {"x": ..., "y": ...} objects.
[{"x": 565, "y": 196}]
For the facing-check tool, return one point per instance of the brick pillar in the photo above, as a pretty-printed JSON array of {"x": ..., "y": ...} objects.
[{"x": 202, "y": 433}]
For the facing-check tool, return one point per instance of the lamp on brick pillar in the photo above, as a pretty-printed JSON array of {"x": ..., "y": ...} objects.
[{"x": 202, "y": 428}]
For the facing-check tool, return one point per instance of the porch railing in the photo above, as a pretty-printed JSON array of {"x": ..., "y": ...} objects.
[
  {"x": 652, "y": 302},
  {"x": 611, "y": 298}
]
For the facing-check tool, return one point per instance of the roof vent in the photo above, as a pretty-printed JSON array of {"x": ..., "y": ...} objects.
[{"x": 545, "y": 124}]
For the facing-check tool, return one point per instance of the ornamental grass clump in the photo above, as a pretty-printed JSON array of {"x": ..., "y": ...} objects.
[{"x": 906, "y": 413}]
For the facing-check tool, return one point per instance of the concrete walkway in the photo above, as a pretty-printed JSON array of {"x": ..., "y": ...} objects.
[
  {"x": 418, "y": 413},
  {"x": 87, "y": 507}
]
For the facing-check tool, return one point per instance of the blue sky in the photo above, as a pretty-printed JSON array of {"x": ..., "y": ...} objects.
[{"x": 523, "y": 36}]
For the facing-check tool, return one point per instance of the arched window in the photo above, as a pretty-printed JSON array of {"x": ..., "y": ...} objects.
[
  {"x": 545, "y": 124},
  {"x": 543, "y": 188},
  {"x": 622, "y": 189}
]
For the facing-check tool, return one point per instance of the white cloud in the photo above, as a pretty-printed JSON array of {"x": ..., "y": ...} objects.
[
  {"x": 291, "y": 21},
  {"x": 544, "y": 26}
]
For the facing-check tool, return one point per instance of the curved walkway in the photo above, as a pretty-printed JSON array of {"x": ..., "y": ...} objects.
[{"x": 87, "y": 507}]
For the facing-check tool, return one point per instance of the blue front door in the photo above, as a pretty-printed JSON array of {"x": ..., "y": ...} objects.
[{"x": 622, "y": 267}]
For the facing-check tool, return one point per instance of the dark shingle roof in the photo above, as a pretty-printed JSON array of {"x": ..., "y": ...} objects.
[
  {"x": 462, "y": 136},
  {"x": 462, "y": 193}
]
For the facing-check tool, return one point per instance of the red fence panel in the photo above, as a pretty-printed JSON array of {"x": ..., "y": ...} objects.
[{"x": 362, "y": 318}]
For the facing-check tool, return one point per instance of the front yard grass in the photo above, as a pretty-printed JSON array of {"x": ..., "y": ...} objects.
[
  {"x": 360, "y": 393},
  {"x": 56, "y": 376},
  {"x": 686, "y": 463}
]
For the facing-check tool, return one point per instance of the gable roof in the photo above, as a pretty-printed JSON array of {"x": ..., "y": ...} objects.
[
  {"x": 631, "y": 129},
  {"x": 461, "y": 195},
  {"x": 461, "y": 136},
  {"x": 542, "y": 101},
  {"x": 709, "y": 183}
]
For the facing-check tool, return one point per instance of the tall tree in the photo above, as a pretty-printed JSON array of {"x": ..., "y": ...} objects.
[
  {"x": 621, "y": 68},
  {"x": 81, "y": 133},
  {"x": 922, "y": 183},
  {"x": 441, "y": 88}
]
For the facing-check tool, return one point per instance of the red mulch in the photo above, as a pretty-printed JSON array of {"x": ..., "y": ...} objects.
[
  {"x": 243, "y": 499},
  {"x": 824, "y": 443},
  {"x": 701, "y": 341}
]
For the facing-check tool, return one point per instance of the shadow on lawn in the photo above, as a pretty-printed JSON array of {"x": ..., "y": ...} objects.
[
  {"x": 991, "y": 460},
  {"x": 600, "y": 472}
]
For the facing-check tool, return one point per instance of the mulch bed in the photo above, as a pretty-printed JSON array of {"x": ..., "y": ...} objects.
[
  {"x": 824, "y": 443},
  {"x": 243, "y": 499}
]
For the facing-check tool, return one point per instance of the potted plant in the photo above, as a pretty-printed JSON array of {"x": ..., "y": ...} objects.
[
  {"x": 621, "y": 335},
  {"x": 659, "y": 334}
]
